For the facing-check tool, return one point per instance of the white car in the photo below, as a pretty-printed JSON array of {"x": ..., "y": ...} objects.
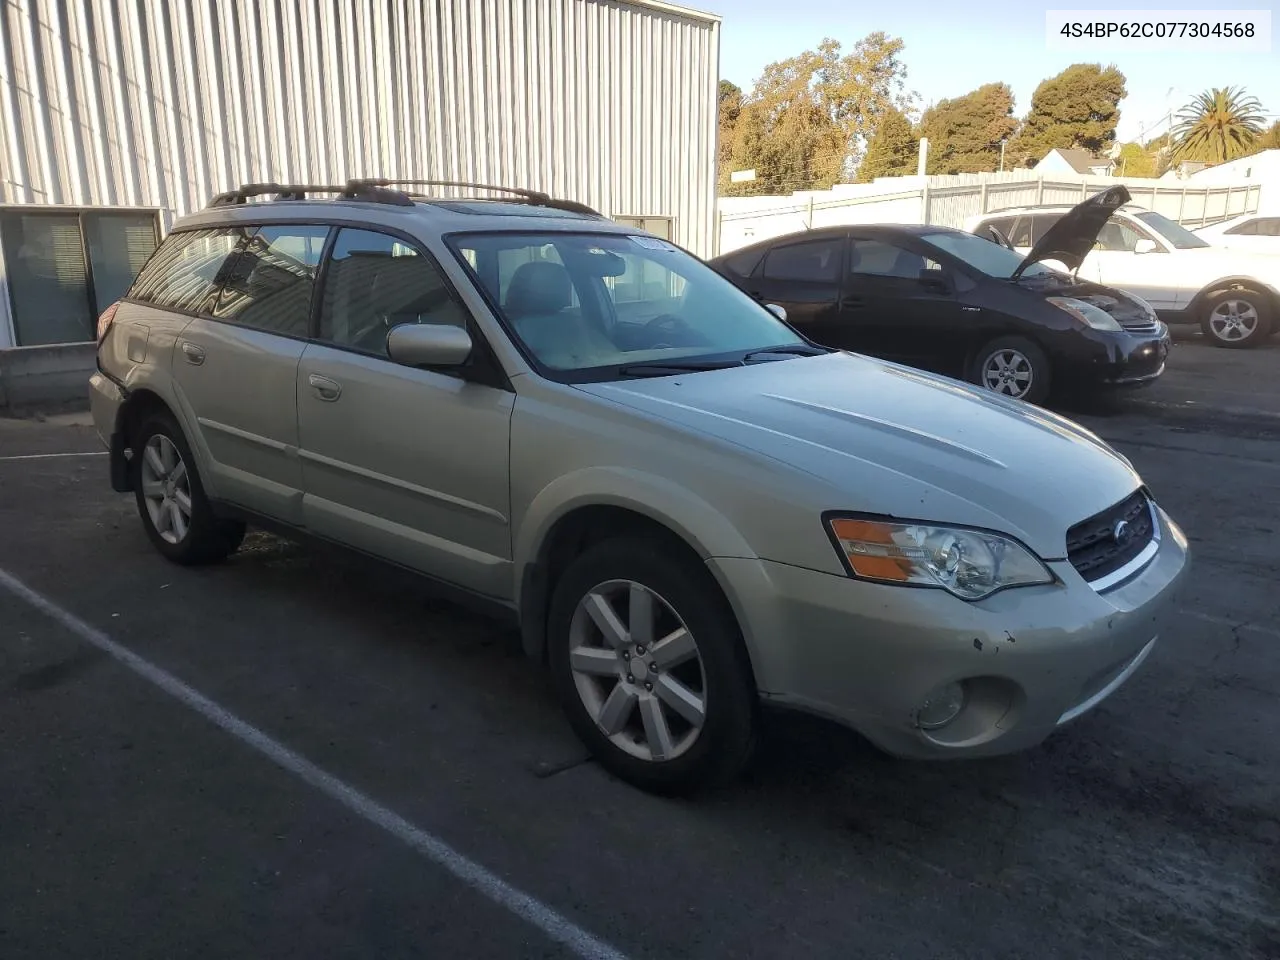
[
  {"x": 1233, "y": 294},
  {"x": 1259, "y": 234}
]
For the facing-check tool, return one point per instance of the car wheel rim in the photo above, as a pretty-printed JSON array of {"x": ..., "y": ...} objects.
[
  {"x": 1008, "y": 372},
  {"x": 637, "y": 668},
  {"x": 166, "y": 489},
  {"x": 1233, "y": 320}
]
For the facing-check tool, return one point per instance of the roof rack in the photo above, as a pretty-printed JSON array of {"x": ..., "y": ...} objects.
[
  {"x": 352, "y": 190},
  {"x": 533, "y": 197}
]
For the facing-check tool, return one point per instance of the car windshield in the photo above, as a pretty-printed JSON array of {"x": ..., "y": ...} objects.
[
  {"x": 982, "y": 254},
  {"x": 1174, "y": 233},
  {"x": 602, "y": 306}
]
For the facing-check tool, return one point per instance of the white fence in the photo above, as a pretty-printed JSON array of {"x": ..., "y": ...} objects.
[{"x": 949, "y": 201}]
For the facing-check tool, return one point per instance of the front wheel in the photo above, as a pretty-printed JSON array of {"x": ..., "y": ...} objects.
[
  {"x": 649, "y": 664},
  {"x": 1236, "y": 318},
  {"x": 1013, "y": 367}
]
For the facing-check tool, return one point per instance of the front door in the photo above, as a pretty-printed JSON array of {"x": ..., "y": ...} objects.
[
  {"x": 902, "y": 305},
  {"x": 408, "y": 464},
  {"x": 1151, "y": 275}
]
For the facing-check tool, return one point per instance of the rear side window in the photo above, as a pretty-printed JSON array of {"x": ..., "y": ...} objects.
[
  {"x": 183, "y": 273},
  {"x": 1260, "y": 227},
  {"x": 375, "y": 282},
  {"x": 269, "y": 285},
  {"x": 1003, "y": 224},
  {"x": 817, "y": 261},
  {"x": 743, "y": 264}
]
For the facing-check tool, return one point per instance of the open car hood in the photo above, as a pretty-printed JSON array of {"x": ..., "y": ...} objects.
[{"x": 1071, "y": 238}]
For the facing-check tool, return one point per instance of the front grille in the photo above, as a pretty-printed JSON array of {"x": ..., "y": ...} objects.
[
  {"x": 1140, "y": 326},
  {"x": 1093, "y": 547}
]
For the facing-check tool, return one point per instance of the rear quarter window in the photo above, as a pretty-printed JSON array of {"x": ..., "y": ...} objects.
[{"x": 744, "y": 263}]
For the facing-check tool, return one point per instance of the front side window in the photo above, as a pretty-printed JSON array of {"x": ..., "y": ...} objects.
[
  {"x": 875, "y": 258},
  {"x": 1117, "y": 236},
  {"x": 1175, "y": 234},
  {"x": 817, "y": 261},
  {"x": 185, "y": 271},
  {"x": 375, "y": 282},
  {"x": 586, "y": 305},
  {"x": 269, "y": 285}
]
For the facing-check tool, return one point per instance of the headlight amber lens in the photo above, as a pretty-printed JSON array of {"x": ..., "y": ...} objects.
[{"x": 971, "y": 564}]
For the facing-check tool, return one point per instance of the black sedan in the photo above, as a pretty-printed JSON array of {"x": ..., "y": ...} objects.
[{"x": 961, "y": 305}]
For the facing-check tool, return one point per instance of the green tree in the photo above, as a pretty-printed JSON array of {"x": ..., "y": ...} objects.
[
  {"x": 803, "y": 123},
  {"x": 1270, "y": 139},
  {"x": 892, "y": 150},
  {"x": 1137, "y": 161},
  {"x": 728, "y": 110},
  {"x": 1078, "y": 107},
  {"x": 1219, "y": 125},
  {"x": 965, "y": 132}
]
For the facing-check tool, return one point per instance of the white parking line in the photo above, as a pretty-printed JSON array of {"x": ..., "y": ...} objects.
[
  {"x": 558, "y": 928},
  {"x": 50, "y": 456}
]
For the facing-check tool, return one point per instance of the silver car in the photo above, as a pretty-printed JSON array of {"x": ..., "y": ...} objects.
[{"x": 688, "y": 508}]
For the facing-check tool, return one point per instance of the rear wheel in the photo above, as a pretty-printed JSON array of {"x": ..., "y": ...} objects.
[
  {"x": 171, "y": 501},
  {"x": 1013, "y": 367},
  {"x": 1236, "y": 318},
  {"x": 649, "y": 664}
]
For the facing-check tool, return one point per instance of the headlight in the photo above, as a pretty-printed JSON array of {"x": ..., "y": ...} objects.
[
  {"x": 971, "y": 564},
  {"x": 1086, "y": 313}
]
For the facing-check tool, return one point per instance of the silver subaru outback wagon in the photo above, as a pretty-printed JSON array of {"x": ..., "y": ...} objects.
[{"x": 689, "y": 508}]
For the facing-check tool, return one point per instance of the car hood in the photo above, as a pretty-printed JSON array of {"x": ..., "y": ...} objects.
[
  {"x": 894, "y": 441},
  {"x": 1073, "y": 236}
]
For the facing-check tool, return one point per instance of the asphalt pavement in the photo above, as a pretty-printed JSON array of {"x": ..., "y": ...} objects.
[{"x": 302, "y": 754}]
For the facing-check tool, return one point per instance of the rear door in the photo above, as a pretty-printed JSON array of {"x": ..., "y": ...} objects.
[
  {"x": 248, "y": 293},
  {"x": 901, "y": 304},
  {"x": 804, "y": 278},
  {"x": 404, "y": 463}
]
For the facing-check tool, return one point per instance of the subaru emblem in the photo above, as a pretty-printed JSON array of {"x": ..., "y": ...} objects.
[{"x": 1121, "y": 533}]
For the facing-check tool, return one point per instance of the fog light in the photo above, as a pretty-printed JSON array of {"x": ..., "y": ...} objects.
[{"x": 941, "y": 707}]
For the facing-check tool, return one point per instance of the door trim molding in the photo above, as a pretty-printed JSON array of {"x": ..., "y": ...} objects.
[
  {"x": 425, "y": 492},
  {"x": 243, "y": 434}
]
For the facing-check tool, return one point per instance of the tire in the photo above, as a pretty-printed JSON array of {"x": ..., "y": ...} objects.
[
  {"x": 165, "y": 478},
  {"x": 1020, "y": 355},
  {"x": 1236, "y": 318},
  {"x": 591, "y": 675}
]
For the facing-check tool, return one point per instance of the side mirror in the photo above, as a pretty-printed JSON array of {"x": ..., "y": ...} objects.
[
  {"x": 1145, "y": 245},
  {"x": 777, "y": 311},
  {"x": 935, "y": 280},
  {"x": 428, "y": 345}
]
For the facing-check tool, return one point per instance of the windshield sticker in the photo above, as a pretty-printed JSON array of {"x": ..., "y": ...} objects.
[{"x": 652, "y": 243}]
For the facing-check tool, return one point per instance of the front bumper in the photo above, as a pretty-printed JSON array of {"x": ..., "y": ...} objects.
[
  {"x": 1132, "y": 361},
  {"x": 868, "y": 655}
]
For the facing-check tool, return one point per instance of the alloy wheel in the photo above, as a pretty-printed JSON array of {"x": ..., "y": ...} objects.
[
  {"x": 166, "y": 488},
  {"x": 1009, "y": 372},
  {"x": 1233, "y": 320},
  {"x": 637, "y": 669}
]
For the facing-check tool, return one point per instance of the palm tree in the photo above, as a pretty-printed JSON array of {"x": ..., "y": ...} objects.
[{"x": 1218, "y": 125}]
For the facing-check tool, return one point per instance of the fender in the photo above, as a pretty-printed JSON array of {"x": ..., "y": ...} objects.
[
  {"x": 1235, "y": 281},
  {"x": 699, "y": 523}
]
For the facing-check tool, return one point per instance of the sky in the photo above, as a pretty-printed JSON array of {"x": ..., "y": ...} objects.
[{"x": 952, "y": 48}]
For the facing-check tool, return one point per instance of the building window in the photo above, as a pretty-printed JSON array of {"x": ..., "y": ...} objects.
[{"x": 64, "y": 267}]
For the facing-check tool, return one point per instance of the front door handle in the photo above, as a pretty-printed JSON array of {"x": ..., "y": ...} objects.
[
  {"x": 324, "y": 388},
  {"x": 192, "y": 354}
]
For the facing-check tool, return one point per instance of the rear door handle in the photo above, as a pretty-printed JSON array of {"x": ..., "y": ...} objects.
[
  {"x": 324, "y": 388},
  {"x": 192, "y": 354}
]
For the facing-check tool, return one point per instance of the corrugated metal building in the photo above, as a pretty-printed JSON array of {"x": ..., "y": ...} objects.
[{"x": 118, "y": 115}]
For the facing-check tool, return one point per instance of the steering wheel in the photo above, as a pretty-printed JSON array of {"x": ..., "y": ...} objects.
[{"x": 664, "y": 322}]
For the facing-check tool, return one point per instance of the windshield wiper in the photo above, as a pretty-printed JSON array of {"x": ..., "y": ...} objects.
[
  {"x": 664, "y": 368},
  {"x": 792, "y": 349}
]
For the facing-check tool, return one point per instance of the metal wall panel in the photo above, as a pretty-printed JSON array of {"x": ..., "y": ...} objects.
[{"x": 166, "y": 102}]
